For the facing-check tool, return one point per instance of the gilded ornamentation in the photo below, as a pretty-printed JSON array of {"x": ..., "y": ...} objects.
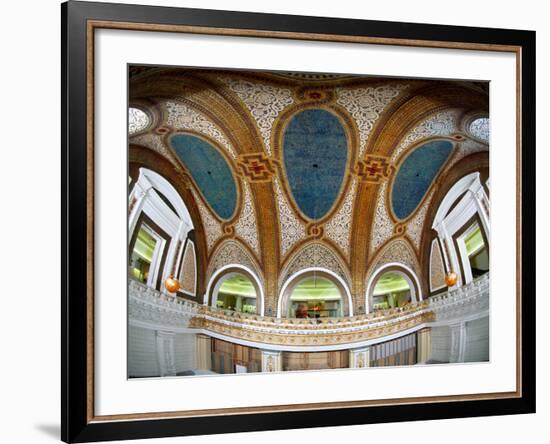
[
  {"x": 437, "y": 269},
  {"x": 365, "y": 105},
  {"x": 373, "y": 169},
  {"x": 149, "y": 306},
  {"x": 246, "y": 226},
  {"x": 382, "y": 228},
  {"x": 416, "y": 224},
  {"x": 182, "y": 117},
  {"x": 469, "y": 147},
  {"x": 137, "y": 120},
  {"x": 441, "y": 124},
  {"x": 291, "y": 229},
  {"x": 400, "y": 251},
  {"x": 256, "y": 167},
  {"x": 155, "y": 142},
  {"x": 231, "y": 252},
  {"x": 188, "y": 274},
  {"x": 339, "y": 227},
  {"x": 265, "y": 103},
  {"x": 314, "y": 255},
  {"x": 212, "y": 227},
  {"x": 479, "y": 128}
]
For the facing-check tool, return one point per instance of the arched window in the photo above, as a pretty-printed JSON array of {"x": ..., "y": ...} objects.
[
  {"x": 159, "y": 223},
  {"x": 393, "y": 289},
  {"x": 236, "y": 288},
  {"x": 237, "y": 293},
  {"x": 314, "y": 293},
  {"x": 315, "y": 297},
  {"x": 392, "y": 285},
  {"x": 138, "y": 120},
  {"x": 462, "y": 224}
]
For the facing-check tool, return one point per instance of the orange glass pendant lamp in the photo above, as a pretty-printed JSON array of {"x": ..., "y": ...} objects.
[
  {"x": 172, "y": 284},
  {"x": 451, "y": 278}
]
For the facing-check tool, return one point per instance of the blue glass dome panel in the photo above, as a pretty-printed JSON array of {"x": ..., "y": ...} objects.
[
  {"x": 415, "y": 175},
  {"x": 315, "y": 155},
  {"x": 210, "y": 171}
]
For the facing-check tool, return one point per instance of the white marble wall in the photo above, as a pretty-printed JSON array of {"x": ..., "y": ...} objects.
[
  {"x": 466, "y": 341},
  {"x": 154, "y": 353},
  {"x": 142, "y": 353},
  {"x": 477, "y": 340}
]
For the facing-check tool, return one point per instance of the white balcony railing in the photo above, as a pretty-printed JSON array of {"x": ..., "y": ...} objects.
[{"x": 151, "y": 308}]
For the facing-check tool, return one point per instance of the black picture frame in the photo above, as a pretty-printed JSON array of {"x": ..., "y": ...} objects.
[{"x": 77, "y": 322}]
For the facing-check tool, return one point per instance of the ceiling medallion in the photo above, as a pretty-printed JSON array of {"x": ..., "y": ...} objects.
[
  {"x": 315, "y": 230},
  {"x": 317, "y": 95},
  {"x": 256, "y": 167},
  {"x": 374, "y": 169},
  {"x": 228, "y": 229},
  {"x": 399, "y": 229},
  {"x": 163, "y": 130}
]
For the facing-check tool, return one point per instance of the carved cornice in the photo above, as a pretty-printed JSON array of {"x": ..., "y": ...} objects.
[{"x": 150, "y": 306}]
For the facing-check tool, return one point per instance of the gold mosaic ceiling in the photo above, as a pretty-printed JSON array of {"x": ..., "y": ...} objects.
[{"x": 290, "y": 170}]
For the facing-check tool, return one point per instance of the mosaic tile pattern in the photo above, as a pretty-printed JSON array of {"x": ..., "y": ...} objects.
[
  {"x": 315, "y": 155},
  {"x": 416, "y": 224},
  {"x": 292, "y": 230},
  {"x": 315, "y": 255},
  {"x": 441, "y": 124},
  {"x": 231, "y": 252},
  {"x": 480, "y": 128},
  {"x": 246, "y": 226},
  {"x": 212, "y": 227},
  {"x": 416, "y": 174},
  {"x": 399, "y": 251},
  {"x": 137, "y": 120},
  {"x": 339, "y": 227},
  {"x": 156, "y": 143},
  {"x": 210, "y": 172},
  {"x": 182, "y": 117},
  {"x": 188, "y": 269},
  {"x": 382, "y": 228},
  {"x": 265, "y": 103},
  {"x": 365, "y": 105},
  {"x": 437, "y": 269}
]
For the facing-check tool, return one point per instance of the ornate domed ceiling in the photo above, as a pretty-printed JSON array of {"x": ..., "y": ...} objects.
[{"x": 283, "y": 171}]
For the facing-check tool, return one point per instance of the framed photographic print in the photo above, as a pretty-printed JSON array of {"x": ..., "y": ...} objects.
[{"x": 279, "y": 221}]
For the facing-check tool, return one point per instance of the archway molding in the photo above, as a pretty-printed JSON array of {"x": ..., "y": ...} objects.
[
  {"x": 407, "y": 272},
  {"x": 296, "y": 278},
  {"x": 217, "y": 279}
]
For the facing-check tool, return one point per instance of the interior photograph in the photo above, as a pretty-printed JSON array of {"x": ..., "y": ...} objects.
[{"x": 290, "y": 221}]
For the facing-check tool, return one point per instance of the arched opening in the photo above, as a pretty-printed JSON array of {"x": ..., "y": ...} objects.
[
  {"x": 462, "y": 225},
  {"x": 314, "y": 294},
  {"x": 236, "y": 288},
  {"x": 392, "y": 289},
  {"x": 236, "y": 293},
  {"x": 159, "y": 226},
  {"x": 476, "y": 251},
  {"x": 393, "y": 285},
  {"x": 315, "y": 297}
]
